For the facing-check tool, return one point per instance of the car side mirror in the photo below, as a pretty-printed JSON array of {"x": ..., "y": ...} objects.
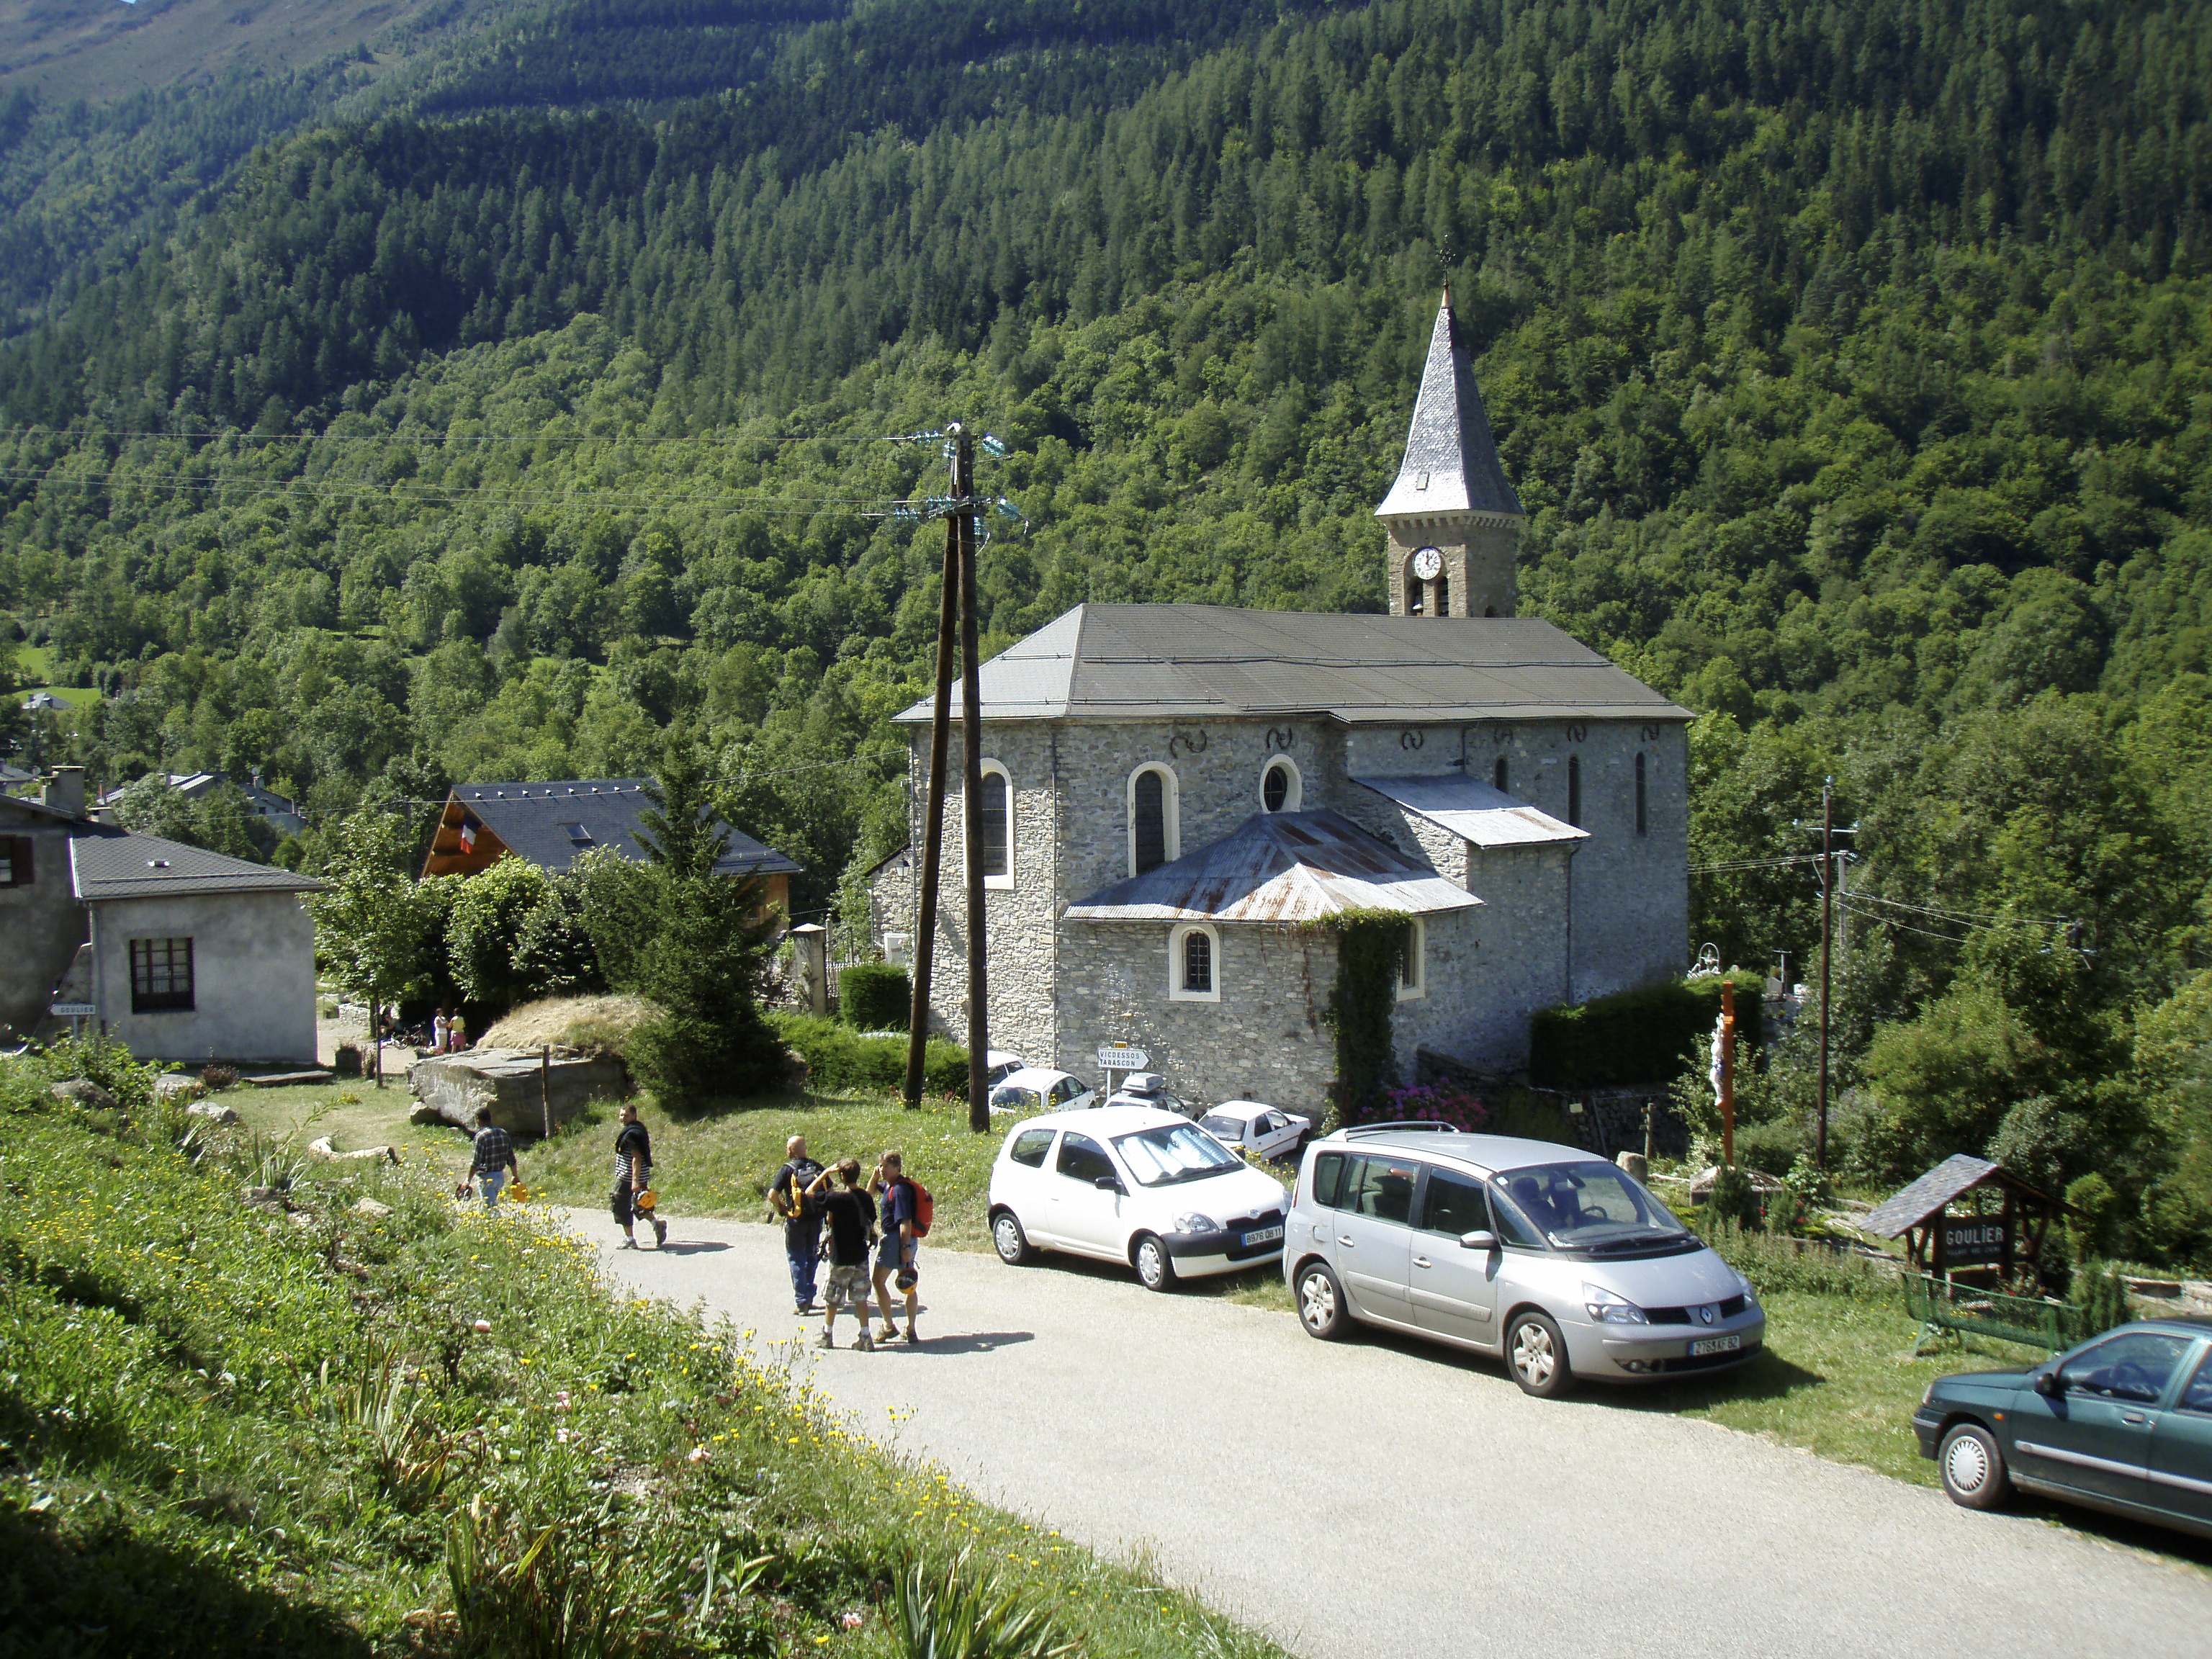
[
  {"x": 1479, "y": 1239},
  {"x": 2050, "y": 1384},
  {"x": 1108, "y": 1183}
]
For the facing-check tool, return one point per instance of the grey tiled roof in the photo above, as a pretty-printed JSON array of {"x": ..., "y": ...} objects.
[
  {"x": 540, "y": 821},
  {"x": 1281, "y": 866},
  {"x": 1451, "y": 463},
  {"x": 1188, "y": 661},
  {"x": 110, "y": 863},
  {"x": 1954, "y": 1175}
]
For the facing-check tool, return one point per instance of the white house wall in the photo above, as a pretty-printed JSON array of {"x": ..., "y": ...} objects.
[{"x": 253, "y": 969}]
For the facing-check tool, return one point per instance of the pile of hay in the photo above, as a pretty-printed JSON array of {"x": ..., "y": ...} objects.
[{"x": 596, "y": 1025}]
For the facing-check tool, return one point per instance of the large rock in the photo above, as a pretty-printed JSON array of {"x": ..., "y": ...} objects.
[
  {"x": 176, "y": 1085},
  {"x": 213, "y": 1110},
  {"x": 509, "y": 1081},
  {"x": 85, "y": 1092}
]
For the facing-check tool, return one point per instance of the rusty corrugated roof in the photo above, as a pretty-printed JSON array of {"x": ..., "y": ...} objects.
[
  {"x": 1279, "y": 866},
  {"x": 1188, "y": 661}
]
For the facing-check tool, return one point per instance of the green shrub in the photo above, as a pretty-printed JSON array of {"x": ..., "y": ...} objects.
[
  {"x": 2101, "y": 1296},
  {"x": 1734, "y": 1200},
  {"x": 1637, "y": 1035},
  {"x": 875, "y": 996},
  {"x": 838, "y": 1058}
]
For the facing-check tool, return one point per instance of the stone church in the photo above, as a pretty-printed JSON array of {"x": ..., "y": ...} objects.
[{"x": 1170, "y": 791}]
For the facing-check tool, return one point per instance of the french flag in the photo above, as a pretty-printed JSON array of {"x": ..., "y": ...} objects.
[{"x": 469, "y": 826}]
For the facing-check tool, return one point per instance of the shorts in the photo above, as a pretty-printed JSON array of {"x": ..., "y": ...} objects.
[
  {"x": 619, "y": 1201},
  {"x": 896, "y": 1255},
  {"x": 846, "y": 1287}
]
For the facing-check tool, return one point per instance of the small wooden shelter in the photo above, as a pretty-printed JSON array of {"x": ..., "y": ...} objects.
[{"x": 1968, "y": 1214}]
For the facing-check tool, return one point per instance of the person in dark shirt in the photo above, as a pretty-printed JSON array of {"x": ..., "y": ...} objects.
[
  {"x": 896, "y": 1260},
  {"x": 852, "y": 1217},
  {"x": 491, "y": 1161},
  {"x": 634, "y": 1177},
  {"x": 802, "y": 1219}
]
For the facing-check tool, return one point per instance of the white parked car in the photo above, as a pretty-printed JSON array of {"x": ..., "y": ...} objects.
[
  {"x": 1261, "y": 1130},
  {"x": 1039, "y": 1089},
  {"x": 998, "y": 1066},
  {"x": 1150, "y": 1088},
  {"x": 1133, "y": 1184}
]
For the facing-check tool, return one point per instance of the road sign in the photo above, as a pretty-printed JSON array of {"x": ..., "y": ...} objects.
[
  {"x": 1119, "y": 1057},
  {"x": 1974, "y": 1241},
  {"x": 73, "y": 1010}
]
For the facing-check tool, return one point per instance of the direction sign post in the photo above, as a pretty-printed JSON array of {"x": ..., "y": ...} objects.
[{"x": 1120, "y": 1057}]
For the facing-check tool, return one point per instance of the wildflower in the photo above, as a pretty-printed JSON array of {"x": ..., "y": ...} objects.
[
  {"x": 700, "y": 1453},
  {"x": 853, "y": 1620}
]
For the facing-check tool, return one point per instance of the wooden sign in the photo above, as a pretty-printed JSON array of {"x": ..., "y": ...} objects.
[{"x": 1974, "y": 1241}]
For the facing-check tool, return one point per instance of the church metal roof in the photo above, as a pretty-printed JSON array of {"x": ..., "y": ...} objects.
[
  {"x": 1188, "y": 661},
  {"x": 1473, "y": 810},
  {"x": 1451, "y": 463},
  {"x": 1279, "y": 866}
]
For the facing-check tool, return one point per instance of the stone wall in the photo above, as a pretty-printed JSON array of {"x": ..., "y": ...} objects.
[
  {"x": 1263, "y": 1041},
  {"x": 517, "y": 1084}
]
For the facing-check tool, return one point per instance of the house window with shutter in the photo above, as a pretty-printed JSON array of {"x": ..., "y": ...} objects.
[{"x": 160, "y": 975}]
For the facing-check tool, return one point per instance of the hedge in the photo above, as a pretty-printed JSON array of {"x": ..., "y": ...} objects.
[
  {"x": 838, "y": 1057},
  {"x": 874, "y": 996},
  {"x": 1636, "y": 1036}
]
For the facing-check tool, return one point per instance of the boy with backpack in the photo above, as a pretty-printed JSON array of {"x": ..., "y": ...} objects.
[
  {"x": 852, "y": 1217},
  {"x": 802, "y": 1220},
  {"x": 907, "y": 1212}
]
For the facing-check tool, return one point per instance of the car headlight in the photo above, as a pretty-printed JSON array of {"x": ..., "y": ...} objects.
[
  {"x": 1750, "y": 1295},
  {"x": 1194, "y": 1221},
  {"x": 1607, "y": 1309}
]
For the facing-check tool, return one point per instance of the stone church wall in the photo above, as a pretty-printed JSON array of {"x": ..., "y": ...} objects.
[{"x": 1263, "y": 1041}]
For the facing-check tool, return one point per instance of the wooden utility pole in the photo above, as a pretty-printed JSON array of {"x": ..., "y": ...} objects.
[
  {"x": 1728, "y": 1073},
  {"x": 971, "y": 778},
  {"x": 933, "y": 834},
  {"x": 1827, "y": 928}
]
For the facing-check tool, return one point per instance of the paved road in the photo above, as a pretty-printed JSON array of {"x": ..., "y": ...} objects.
[{"x": 1368, "y": 1500}]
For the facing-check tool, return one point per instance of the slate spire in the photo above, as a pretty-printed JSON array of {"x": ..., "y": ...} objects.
[{"x": 1451, "y": 462}]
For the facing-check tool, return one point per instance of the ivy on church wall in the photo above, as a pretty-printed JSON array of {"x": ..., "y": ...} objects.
[{"x": 1370, "y": 952}]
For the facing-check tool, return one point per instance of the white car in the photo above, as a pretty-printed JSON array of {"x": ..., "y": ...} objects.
[
  {"x": 1039, "y": 1089},
  {"x": 1132, "y": 1184},
  {"x": 1150, "y": 1088},
  {"x": 1262, "y": 1130},
  {"x": 998, "y": 1066}
]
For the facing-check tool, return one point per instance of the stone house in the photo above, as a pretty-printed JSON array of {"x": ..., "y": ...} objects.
[
  {"x": 282, "y": 816},
  {"x": 180, "y": 953},
  {"x": 1173, "y": 794}
]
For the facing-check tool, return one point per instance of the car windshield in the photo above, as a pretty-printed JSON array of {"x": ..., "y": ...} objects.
[
  {"x": 1589, "y": 1206},
  {"x": 1227, "y": 1127},
  {"x": 1174, "y": 1152}
]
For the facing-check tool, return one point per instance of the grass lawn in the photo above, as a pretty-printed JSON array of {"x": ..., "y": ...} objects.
[{"x": 357, "y": 1418}]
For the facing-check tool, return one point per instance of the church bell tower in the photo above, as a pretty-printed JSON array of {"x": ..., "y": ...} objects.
[{"x": 1454, "y": 522}]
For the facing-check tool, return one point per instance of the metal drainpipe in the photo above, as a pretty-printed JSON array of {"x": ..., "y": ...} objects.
[{"x": 1573, "y": 848}]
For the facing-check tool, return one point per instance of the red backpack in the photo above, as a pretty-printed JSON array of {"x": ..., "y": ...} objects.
[{"x": 925, "y": 1207}]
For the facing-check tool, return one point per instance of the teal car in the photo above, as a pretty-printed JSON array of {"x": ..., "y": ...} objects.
[{"x": 2123, "y": 1423}]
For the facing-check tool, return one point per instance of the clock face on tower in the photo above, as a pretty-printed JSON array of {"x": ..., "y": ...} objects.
[{"x": 1427, "y": 562}]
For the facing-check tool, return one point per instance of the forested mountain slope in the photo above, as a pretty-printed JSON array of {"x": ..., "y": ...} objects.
[{"x": 1851, "y": 361}]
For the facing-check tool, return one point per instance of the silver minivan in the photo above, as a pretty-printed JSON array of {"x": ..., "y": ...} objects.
[{"x": 1549, "y": 1257}]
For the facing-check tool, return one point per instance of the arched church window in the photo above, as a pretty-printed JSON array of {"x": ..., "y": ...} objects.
[
  {"x": 1639, "y": 795},
  {"x": 1444, "y": 595},
  {"x": 1194, "y": 964},
  {"x": 1152, "y": 827},
  {"x": 1575, "y": 790},
  {"x": 1498, "y": 776},
  {"x": 995, "y": 803},
  {"x": 1281, "y": 789}
]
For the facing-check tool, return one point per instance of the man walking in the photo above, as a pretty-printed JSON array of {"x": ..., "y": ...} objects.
[
  {"x": 633, "y": 1178},
  {"x": 895, "y": 1258},
  {"x": 802, "y": 1219},
  {"x": 491, "y": 1161},
  {"x": 852, "y": 1216}
]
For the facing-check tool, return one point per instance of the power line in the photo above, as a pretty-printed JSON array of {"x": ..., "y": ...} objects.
[
  {"x": 1982, "y": 917},
  {"x": 1754, "y": 864}
]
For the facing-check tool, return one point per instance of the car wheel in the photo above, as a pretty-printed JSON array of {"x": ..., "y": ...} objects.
[
  {"x": 1537, "y": 1356},
  {"x": 1155, "y": 1267},
  {"x": 1012, "y": 1244},
  {"x": 1321, "y": 1303},
  {"x": 1973, "y": 1468}
]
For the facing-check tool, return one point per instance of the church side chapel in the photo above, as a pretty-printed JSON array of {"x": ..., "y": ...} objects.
[{"x": 1175, "y": 795}]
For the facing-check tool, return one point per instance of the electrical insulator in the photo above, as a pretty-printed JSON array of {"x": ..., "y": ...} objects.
[{"x": 995, "y": 448}]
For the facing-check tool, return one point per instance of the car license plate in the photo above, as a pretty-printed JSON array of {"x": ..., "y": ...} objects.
[
  {"x": 1717, "y": 1345},
  {"x": 1264, "y": 1236}
]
